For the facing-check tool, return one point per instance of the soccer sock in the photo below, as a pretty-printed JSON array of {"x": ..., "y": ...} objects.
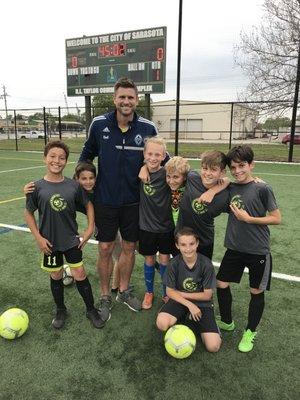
[
  {"x": 225, "y": 302},
  {"x": 149, "y": 272},
  {"x": 85, "y": 290},
  {"x": 256, "y": 308},
  {"x": 162, "y": 270},
  {"x": 57, "y": 289}
]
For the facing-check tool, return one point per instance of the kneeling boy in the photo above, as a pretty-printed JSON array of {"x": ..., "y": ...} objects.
[{"x": 190, "y": 280}]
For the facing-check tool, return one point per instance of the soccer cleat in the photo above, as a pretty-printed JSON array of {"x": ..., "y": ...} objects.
[
  {"x": 95, "y": 318},
  {"x": 60, "y": 318},
  {"x": 225, "y": 327},
  {"x": 129, "y": 299},
  {"x": 148, "y": 301},
  {"x": 246, "y": 344}
]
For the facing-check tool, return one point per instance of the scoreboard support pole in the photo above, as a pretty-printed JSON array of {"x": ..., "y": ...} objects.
[
  {"x": 147, "y": 106},
  {"x": 88, "y": 113}
]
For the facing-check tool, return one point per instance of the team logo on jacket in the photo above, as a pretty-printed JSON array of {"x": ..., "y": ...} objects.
[
  {"x": 138, "y": 140},
  {"x": 57, "y": 202},
  {"x": 148, "y": 189},
  {"x": 189, "y": 285},
  {"x": 238, "y": 201},
  {"x": 199, "y": 208}
]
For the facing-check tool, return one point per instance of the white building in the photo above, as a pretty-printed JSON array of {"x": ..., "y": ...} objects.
[{"x": 200, "y": 120}]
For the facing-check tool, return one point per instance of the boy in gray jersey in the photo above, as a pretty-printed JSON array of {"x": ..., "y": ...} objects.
[
  {"x": 56, "y": 198},
  {"x": 155, "y": 217},
  {"x": 253, "y": 207},
  {"x": 190, "y": 281},
  {"x": 204, "y": 199}
]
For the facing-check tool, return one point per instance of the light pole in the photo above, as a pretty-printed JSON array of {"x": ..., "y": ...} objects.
[
  {"x": 294, "y": 116},
  {"x": 178, "y": 79}
]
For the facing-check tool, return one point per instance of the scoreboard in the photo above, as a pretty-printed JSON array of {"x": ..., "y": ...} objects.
[{"x": 95, "y": 63}]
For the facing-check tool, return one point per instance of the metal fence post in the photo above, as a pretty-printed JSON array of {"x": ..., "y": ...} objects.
[
  {"x": 16, "y": 132},
  {"x": 59, "y": 122},
  {"x": 45, "y": 125},
  {"x": 231, "y": 122}
]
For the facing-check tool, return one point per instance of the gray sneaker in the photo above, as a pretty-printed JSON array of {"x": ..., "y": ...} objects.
[
  {"x": 128, "y": 298},
  {"x": 106, "y": 302},
  {"x": 105, "y": 305}
]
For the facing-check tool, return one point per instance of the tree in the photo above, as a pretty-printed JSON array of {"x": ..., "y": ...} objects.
[
  {"x": 273, "y": 124},
  {"x": 103, "y": 103},
  {"x": 269, "y": 54}
]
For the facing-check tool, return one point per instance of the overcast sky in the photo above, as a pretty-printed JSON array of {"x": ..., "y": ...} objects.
[{"x": 33, "y": 33}]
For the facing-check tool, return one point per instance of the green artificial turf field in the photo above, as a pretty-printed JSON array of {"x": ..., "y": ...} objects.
[{"x": 126, "y": 359}]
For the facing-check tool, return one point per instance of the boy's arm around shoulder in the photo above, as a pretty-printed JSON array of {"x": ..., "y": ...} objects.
[
  {"x": 208, "y": 196},
  {"x": 90, "y": 214},
  {"x": 144, "y": 175}
]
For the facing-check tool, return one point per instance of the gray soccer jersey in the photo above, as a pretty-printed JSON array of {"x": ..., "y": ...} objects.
[
  {"x": 198, "y": 216},
  {"x": 155, "y": 204},
  {"x": 56, "y": 204},
  {"x": 256, "y": 199},
  {"x": 180, "y": 277}
]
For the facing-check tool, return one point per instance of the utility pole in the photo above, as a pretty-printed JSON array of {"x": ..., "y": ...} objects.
[
  {"x": 5, "y": 103},
  {"x": 66, "y": 102}
]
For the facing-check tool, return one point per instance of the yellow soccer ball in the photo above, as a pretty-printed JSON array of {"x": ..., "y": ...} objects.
[
  {"x": 13, "y": 323},
  {"x": 180, "y": 341}
]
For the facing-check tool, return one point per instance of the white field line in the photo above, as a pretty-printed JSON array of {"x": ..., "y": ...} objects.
[
  {"x": 23, "y": 169},
  {"x": 260, "y": 162},
  {"x": 285, "y": 277}
]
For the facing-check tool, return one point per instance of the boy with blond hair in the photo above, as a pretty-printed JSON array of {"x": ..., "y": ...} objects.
[{"x": 155, "y": 220}]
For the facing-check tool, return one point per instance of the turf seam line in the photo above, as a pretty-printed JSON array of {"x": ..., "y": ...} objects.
[{"x": 277, "y": 275}]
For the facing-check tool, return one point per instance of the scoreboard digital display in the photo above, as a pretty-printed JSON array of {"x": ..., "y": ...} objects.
[{"x": 95, "y": 63}]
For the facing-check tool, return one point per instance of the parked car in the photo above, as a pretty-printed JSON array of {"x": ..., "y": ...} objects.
[
  {"x": 31, "y": 135},
  {"x": 287, "y": 138}
]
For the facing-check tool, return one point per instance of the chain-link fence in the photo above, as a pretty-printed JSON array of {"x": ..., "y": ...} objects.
[{"x": 201, "y": 125}]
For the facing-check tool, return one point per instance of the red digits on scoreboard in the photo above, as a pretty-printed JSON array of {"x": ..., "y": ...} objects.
[
  {"x": 101, "y": 51},
  {"x": 115, "y": 50},
  {"x": 74, "y": 62},
  {"x": 160, "y": 54},
  {"x": 122, "y": 48}
]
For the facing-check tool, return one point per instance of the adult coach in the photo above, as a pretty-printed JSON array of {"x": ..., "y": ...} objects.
[{"x": 118, "y": 139}]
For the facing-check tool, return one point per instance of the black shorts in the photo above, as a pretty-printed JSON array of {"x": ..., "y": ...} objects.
[
  {"x": 207, "y": 322},
  {"x": 205, "y": 250},
  {"x": 55, "y": 261},
  {"x": 109, "y": 220},
  {"x": 234, "y": 263},
  {"x": 150, "y": 243}
]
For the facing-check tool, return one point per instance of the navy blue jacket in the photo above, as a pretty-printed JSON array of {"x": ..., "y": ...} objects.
[{"x": 120, "y": 157}]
